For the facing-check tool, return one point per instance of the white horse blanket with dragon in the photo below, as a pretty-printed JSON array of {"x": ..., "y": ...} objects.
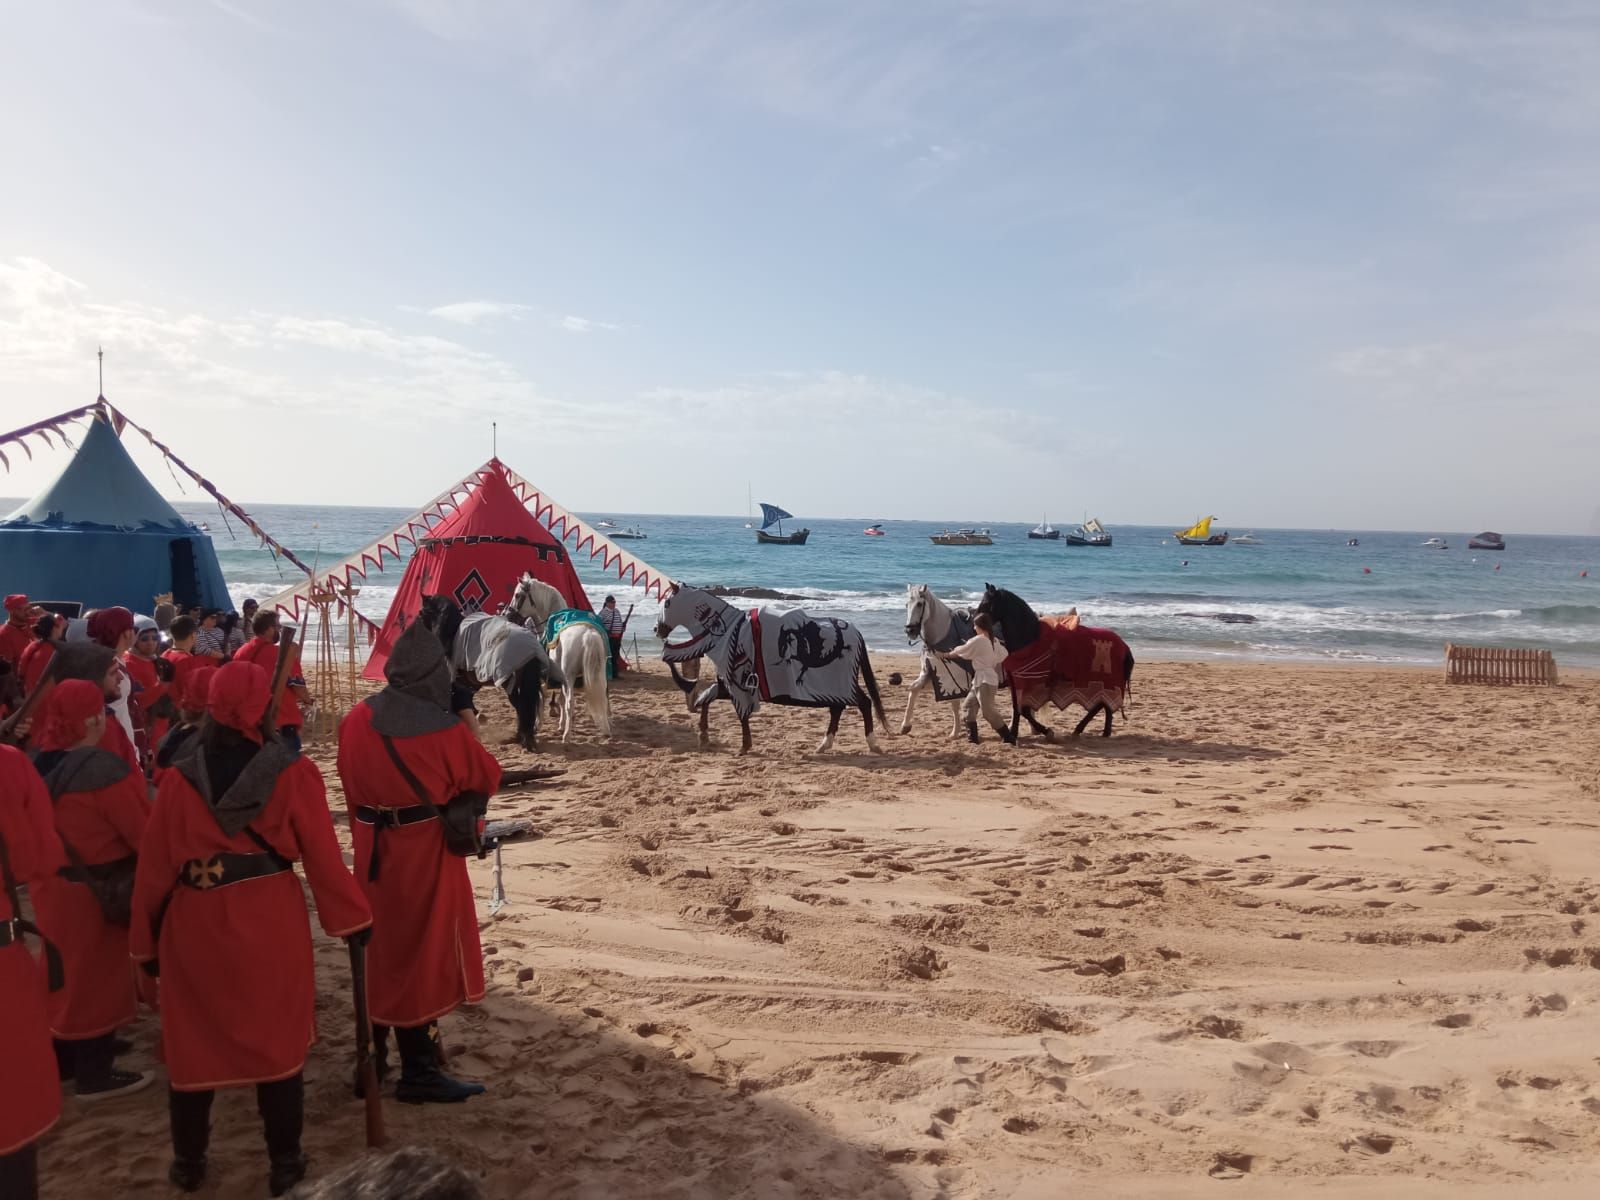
[{"x": 782, "y": 656}]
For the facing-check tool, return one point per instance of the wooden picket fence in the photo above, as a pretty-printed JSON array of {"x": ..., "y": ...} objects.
[{"x": 1498, "y": 664}]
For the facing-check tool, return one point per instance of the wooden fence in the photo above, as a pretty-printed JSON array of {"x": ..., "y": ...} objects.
[{"x": 1497, "y": 664}]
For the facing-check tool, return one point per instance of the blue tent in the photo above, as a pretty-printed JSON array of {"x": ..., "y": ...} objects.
[{"x": 102, "y": 535}]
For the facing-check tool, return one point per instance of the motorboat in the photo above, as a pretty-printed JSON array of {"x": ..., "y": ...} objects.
[
  {"x": 1044, "y": 531},
  {"x": 1436, "y": 544},
  {"x": 1199, "y": 534},
  {"x": 1249, "y": 539},
  {"x": 605, "y": 524},
  {"x": 632, "y": 534},
  {"x": 874, "y": 531},
  {"x": 1090, "y": 533},
  {"x": 963, "y": 537},
  {"x": 1487, "y": 540},
  {"x": 772, "y": 515},
  {"x": 1353, "y": 542}
]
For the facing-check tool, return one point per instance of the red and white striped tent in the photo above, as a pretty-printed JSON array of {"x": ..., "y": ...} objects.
[{"x": 472, "y": 542}]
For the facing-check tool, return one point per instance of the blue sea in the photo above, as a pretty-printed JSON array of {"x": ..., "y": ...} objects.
[{"x": 1308, "y": 593}]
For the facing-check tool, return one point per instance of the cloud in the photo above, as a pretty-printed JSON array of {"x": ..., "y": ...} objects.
[
  {"x": 570, "y": 324},
  {"x": 477, "y": 312}
]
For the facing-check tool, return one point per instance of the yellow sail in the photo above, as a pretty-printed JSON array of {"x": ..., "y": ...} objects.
[{"x": 1201, "y": 529}]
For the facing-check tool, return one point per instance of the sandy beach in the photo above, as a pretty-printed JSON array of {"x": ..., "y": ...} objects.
[{"x": 1291, "y": 931}]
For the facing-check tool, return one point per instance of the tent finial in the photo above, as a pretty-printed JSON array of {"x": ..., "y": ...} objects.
[
  {"x": 101, "y": 355},
  {"x": 494, "y": 439}
]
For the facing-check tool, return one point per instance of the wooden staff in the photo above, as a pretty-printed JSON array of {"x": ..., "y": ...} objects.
[
  {"x": 8, "y": 728},
  {"x": 366, "y": 1067},
  {"x": 280, "y": 677}
]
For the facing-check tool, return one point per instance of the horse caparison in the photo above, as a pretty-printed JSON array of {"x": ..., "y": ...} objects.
[
  {"x": 712, "y": 623},
  {"x": 1019, "y": 627},
  {"x": 443, "y": 616}
]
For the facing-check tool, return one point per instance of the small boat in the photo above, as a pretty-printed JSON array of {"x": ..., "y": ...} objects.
[
  {"x": 1487, "y": 540},
  {"x": 874, "y": 531},
  {"x": 1436, "y": 544},
  {"x": 963, "y": 537},
  {"x": 1044, "y": 531},
  {"x": 749, "y": 510},
  {"x": 1249, "y": 539},
  {"x": 1199, "y": 534},
  {"x": 605, "y": 524},
  {"x": 1353, "y": 542},
  {"x": 1090, "y": 533},
  {"x": 631, "y": 534},
  {"x": 772, "y": 515}
]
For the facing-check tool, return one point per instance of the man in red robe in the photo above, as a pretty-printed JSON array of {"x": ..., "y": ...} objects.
[
  {"x": 30, "y": 1101},
  {"x": 48, "y": 632},
  {"x": 99, "y": 810},
  {"x": 263, "y": 651},
  {"x": 17, "y": 632},
  {"x": 220, "y": 913},
  {"x": 424, "y": 959}
]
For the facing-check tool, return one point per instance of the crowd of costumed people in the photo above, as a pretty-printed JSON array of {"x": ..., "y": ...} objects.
[{"x": 157, "y": 821}]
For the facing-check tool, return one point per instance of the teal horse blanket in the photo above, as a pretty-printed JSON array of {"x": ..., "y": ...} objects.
[{"x": 564, "y": 618}]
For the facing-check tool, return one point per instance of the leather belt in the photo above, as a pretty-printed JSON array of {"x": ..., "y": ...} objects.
[
  {"x": 393, "y": 818},
  {"x": 220, "y": 870},
  {"x": 90, "y": 872}
]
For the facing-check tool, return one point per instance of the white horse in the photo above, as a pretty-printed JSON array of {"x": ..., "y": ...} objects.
[
  {"x": 579, "y": 651},
  {"x": 939, "y": 627}
]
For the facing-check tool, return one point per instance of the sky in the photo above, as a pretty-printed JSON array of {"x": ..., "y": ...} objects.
[{"x": 1290, "y": 262}]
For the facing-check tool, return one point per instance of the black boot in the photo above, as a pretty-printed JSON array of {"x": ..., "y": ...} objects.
[
  {"x": 380, "y": 1060},
  {"x": 421, "y": 1080},
  {"x": 190, "y": 1115},
  {"x": 282, "y": 1108},
  {"x": 97, "y": 1078},
  {"x": 972, "y": 732}
]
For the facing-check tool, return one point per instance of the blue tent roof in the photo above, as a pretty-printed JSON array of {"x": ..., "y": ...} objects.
[
  {"x": 100, "y": 486},
  {"x": 102, "y": 535}
]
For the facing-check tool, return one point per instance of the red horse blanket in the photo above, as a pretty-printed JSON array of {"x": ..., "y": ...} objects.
[{"x": 1070, "y": 664}]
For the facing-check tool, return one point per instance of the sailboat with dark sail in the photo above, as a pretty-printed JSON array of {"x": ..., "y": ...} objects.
[{"x": 772, "y": 515}]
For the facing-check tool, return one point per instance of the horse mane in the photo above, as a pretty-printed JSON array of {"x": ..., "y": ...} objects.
[{"x": 1019, "y": 624}]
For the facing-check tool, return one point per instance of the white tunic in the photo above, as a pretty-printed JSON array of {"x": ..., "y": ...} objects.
[{"x": 985, "y": 654}]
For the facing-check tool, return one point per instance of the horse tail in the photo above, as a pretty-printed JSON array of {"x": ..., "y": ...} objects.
[
  {"x": 594, "y": 681},
  {"x": 871, "y": 682}
]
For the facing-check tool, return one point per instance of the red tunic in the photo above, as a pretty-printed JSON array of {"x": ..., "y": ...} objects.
[
  {"x": 34, "y": 660},
  {"x": 150, "y": 690},
  {"x": 103, "y": 825},
  {"x": 14, "y": 639},
  {"x": 424, "y": 958},
  {"x": 30, "y": 1101},
  {"x": 265, "y": 655},
  {"x": 238, "y": 993},
  {"x": 184, "y": 664}
]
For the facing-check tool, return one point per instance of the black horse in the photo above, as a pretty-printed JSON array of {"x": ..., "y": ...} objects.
[
  {"x": 443, "y": 616},
  {"x": 1019, "y": 627}
]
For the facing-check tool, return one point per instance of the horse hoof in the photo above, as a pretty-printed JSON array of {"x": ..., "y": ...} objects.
[
  {"x": 904, "y": 729},
  {"x": 872, "y": 744},
  {"x": 824, "y": 745}
]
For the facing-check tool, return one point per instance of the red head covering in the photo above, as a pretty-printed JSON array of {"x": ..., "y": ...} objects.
[
  {"x": 194, "y": 695},
  {"x": 238, "y": 697},
  {"x": 109, "y": 624},
  {"x": 17, "y": 603},
  {"x": 72, "y": 702}
]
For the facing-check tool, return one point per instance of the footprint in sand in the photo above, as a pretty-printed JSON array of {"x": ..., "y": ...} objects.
[{"x": 1230, "y": 1164}]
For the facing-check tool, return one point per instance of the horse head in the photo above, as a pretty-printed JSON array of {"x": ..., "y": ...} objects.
[
  {"x": 443, "y": 616},
  {"x": 916, "y": 609},
  {"x": 668, "y": 622}
]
